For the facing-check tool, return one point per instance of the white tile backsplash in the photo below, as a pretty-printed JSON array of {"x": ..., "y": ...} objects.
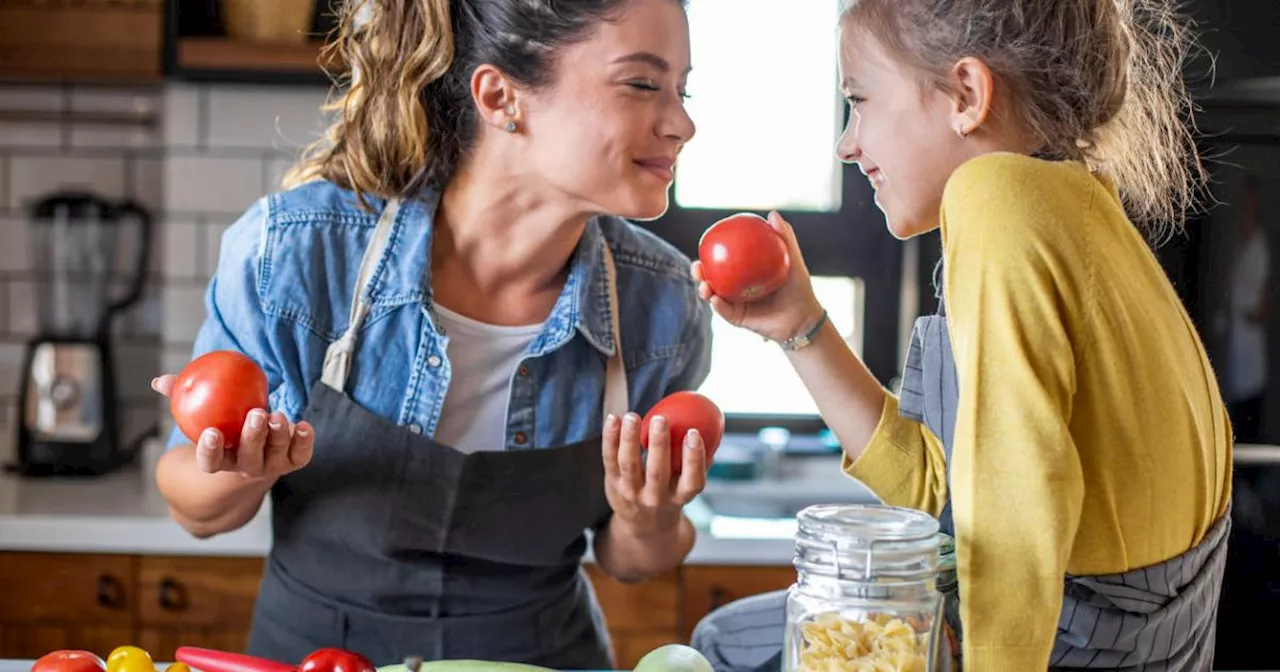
[
  {"x": 146, "y": 184},
  {"x": 12, "y": 354},
  {"x": 182, "y": 115},
  {"x": 264, "y": 118},
  {"x": 215, "y": 150},
  {"x": 34, "y": 176},
  {"x": 50, "y": 99},
  {"x": 23, "y": 320},
  {"x": 15, "y": 252},
  {"x": 184, "y": 312},
  {"x": 211, "y": 184},
  {"x": 182, "y": 249},
  {"x": 141, "y": 100},
  {"x": 212, "y": 245}
]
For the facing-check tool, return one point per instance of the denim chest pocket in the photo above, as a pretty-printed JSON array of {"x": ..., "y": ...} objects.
[{"x": 309, "y": 271}]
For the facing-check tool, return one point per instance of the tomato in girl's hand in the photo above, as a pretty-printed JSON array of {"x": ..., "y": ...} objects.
[
  {"x": 743, "y": 258},
  {"x": 335, "y": 660},
  {"x": 69, "y": 660},
  {"x": 684, "y": 411},
  {"x": 217, "y": 389}
]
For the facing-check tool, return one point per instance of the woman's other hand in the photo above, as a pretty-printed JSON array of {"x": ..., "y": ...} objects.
[{"x": 646, "y": 499}]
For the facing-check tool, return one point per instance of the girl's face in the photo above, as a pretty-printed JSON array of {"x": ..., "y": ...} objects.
[{"x": 901, "y": 133}]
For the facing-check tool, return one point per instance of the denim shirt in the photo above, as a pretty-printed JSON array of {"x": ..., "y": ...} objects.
[{"x": 283, "y": 289}]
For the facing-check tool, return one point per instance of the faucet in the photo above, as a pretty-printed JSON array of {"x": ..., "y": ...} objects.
[{"x": 774, "y": 440}]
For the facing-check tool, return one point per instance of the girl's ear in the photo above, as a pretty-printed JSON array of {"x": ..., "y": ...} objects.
[{"x": 973, "y": 86}]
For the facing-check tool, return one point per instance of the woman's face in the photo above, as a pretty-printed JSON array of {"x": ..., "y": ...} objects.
[{"x": 607, "y": 131}]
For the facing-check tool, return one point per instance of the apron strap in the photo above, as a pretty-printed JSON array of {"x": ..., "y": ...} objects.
[
  {"x": 615, "y": 371},
  {"x": 337, "y": 359}
]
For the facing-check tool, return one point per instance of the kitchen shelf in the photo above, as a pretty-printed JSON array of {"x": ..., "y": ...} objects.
[{"x": 218, "y": 58}]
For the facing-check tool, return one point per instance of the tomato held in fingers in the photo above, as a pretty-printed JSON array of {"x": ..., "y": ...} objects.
[
  {"x": 743, "y": 258},
  {"x": 69, "y": 660},
  {"x": 684, "y": 411},
  {"x": 217, "y": 390},
  {"x": 335, "y": 660}
]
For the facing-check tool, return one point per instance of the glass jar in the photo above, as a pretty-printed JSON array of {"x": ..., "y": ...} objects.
[{"x": 866, "y": 594}]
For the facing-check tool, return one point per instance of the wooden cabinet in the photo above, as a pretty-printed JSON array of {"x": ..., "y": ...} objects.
[
  {"x": 194, "y": 601},
  {"x": 54, "y": 601},
  {"x": 81, "y": 40},
  {"x": 98, "y": 602}
]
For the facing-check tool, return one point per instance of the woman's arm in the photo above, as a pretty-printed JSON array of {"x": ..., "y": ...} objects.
[{"x": 210, "y": 489}]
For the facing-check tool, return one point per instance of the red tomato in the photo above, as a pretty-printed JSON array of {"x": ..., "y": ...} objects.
[
  {"x": 69, "y": 660},
  {"x": 743, "y": 258},
  {"x": 684, "y": 411},
  {"x": 335, "y": 660},
  {"x": 217, "y": 390}
]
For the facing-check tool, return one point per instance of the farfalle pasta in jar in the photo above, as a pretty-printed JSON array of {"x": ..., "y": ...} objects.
[{"x": 866, "y": 595}]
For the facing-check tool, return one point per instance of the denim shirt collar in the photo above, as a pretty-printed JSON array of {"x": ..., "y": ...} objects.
[{"x": 583, "y": 304}]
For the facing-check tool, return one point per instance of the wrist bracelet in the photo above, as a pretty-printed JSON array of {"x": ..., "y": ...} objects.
[{"x": 797, "y": 342}]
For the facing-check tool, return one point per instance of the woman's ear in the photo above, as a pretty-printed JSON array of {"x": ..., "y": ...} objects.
[
  {"x": 496, "y": 98},
  {"x": 974, "y": 89}
]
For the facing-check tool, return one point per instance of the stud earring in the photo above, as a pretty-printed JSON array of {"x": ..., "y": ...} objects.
[
  {"x": 961, "y": 132},
  {"x": 511, "y": 126}
]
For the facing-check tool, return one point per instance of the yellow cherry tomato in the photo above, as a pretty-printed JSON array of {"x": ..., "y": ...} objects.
[
  {"x": 130, "y": 659},
  {"x": 178, "y": 667}
]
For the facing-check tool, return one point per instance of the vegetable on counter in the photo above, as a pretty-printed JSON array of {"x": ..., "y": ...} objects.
[
  {"x": 69, "y": 660},
  {"x": 674, "y": 658},
  {"x": 212, "y": 660}
]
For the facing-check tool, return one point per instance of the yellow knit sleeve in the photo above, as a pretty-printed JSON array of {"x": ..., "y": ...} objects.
[
  {"x": 1015, "y": 275},
  {"x": 903, "y": 464}
]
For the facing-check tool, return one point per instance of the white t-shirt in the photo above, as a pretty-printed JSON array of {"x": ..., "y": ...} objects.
[{"x": 483, "y": 358}]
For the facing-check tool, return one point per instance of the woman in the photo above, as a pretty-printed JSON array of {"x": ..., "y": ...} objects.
[
  {"x": 443, "y": 301},
  {"x": 1060, "y": 414}
]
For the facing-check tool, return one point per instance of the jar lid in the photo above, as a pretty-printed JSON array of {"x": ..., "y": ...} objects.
[{"x": 866, "y": 542}]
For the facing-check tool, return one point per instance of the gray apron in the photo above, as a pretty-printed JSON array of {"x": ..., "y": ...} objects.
[
  {"x": 391, "y": 544},
  {"x": 1161, "y": 617}
]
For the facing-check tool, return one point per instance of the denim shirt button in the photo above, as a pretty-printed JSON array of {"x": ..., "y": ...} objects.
[
  {"x": 415, "y": 428},
  {"x": 433, "y": 361}
]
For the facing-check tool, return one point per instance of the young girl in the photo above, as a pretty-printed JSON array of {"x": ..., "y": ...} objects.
[{"x": 1060, "y": 408}]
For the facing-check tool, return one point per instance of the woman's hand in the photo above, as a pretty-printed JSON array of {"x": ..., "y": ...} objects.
[
  {"x": 270, "y": 446},
  {"x": 646, "y": 500},
  {"x": 790, "y": 311}
]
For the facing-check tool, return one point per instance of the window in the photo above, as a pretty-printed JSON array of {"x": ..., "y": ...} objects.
[
  {"x": 750, "y": 376},
  {"x": 765, "y": 98}
]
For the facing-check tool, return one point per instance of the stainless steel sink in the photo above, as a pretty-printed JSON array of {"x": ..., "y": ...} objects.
[{"x": 800, "y": 482}]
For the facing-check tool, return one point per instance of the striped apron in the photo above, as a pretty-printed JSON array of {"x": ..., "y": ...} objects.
[
  {"x": 1161, "y": 617},
  {"x": 1158, "y": 618}
]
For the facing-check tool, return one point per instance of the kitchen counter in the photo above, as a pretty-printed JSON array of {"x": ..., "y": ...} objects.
[{"x": 124, "y": 513}]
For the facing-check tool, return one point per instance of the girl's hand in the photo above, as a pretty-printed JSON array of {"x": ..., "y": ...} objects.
[
  {"x": 270, "y": 446},
  {"x": 646, "y": 500},
  {"x": 790, "y": 311}
]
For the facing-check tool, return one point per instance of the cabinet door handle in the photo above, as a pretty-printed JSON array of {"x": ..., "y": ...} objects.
[
  {"x": 719, "y": 597},
  {"x": 110, "y": 592},
  {"x": 173, "y": 597}
]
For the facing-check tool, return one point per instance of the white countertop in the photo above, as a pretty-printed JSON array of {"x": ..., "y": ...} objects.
[{"x": 124, "y": 513}]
